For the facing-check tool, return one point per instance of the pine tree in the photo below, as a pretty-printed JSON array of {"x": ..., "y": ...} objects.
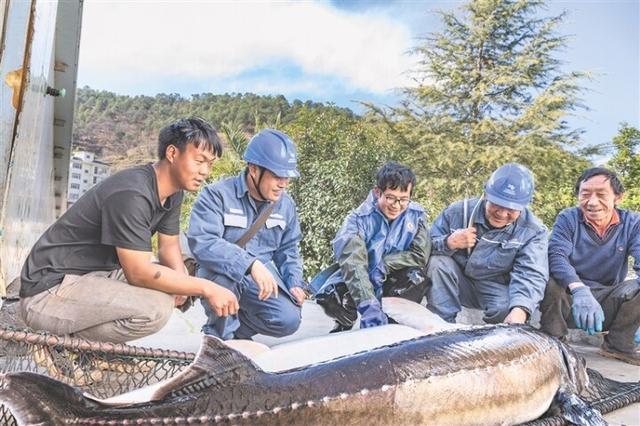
[{"x": 490, "y": 89}]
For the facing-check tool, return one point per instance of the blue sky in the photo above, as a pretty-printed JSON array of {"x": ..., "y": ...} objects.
[{"x": 340, "y": 51}]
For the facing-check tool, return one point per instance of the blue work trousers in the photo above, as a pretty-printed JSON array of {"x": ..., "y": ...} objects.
[
  {"x": 275, "y": 316},
  {"x": 450, "y": 289}
]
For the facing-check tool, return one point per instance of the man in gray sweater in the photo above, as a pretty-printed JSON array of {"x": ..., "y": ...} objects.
[{"x": 588, "y": 260}]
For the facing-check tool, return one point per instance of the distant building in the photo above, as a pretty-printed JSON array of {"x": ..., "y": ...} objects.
[{"x": 84, "y": 172}]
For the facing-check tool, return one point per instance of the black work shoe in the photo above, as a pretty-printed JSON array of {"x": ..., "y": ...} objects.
[{"x": 609, "y": 351}]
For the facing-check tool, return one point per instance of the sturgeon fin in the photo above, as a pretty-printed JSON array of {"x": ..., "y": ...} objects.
[
  {"x": 216, "y": 366},
  {"x": 575, "y": 411},
  {"x": 575, "y": 368}
]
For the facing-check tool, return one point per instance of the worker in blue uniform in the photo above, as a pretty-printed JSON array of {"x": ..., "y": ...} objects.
[
  {"x": 490, "y": 253},
  {"x": 264, "y": 272},
  {"x": 381, "y": 250}
]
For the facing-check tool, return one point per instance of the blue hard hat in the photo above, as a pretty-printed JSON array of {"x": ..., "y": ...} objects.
[
  {"x": 274, "y": 151},
  {"x": 510, "y": 186}
]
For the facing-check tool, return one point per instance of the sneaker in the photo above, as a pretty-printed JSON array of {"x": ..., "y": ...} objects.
[
  {"x": 62, "y": 365},
  {"x": 609, "y": 351}
]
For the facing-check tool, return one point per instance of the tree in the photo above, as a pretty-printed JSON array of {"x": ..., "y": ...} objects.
[
  {"x": 338, "y": 156},
  {"x": 490, "y": 90},
  {"x": 626, "y": 163}
]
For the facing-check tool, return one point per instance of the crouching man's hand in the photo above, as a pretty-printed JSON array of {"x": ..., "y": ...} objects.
[
  {"x": 587, "y": 312},
  {"x": 517, "y": 315},
  {"x": 222, "y": 301},
  {"x": 264, "y": 280},
  {"x": 298, "y": 294}
]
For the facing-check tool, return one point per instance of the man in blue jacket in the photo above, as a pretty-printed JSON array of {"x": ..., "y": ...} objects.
[
  {"x": 383, "y": 244},
  {"x": 490, "y": 253},
  {"x": 588, "y": 258},
  {"x": 266, "y": 272}
]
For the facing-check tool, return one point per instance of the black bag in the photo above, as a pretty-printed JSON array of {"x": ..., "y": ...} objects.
[{"x": 408, "y": 283}]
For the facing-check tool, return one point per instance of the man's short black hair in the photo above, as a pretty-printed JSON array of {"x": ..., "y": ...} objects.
[
  {"x": 612, "y": 177},
  {"x": 192, "y": 130},
  {"x": 394, "y": 175}
]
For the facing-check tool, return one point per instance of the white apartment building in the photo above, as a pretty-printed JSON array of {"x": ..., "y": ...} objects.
[{"x": 84, "y": 172}]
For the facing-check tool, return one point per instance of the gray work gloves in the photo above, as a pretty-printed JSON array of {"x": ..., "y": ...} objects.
[{"x": 587, "y": 312}]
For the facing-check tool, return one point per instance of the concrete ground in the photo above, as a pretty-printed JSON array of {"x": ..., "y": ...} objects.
[{"x": 183, "y": 333}]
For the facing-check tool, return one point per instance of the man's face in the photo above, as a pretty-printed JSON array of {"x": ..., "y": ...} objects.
[
  {"x": 392, "y": 202},
  {"x": 597, "y": 199},
  {"x": 499, "y": 216},
  {"x": 271, "y": 186},
  {"x": 190, "y": 167}
]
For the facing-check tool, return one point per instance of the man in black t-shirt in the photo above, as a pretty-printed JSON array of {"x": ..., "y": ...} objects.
[{"x": 91, "y": 273}]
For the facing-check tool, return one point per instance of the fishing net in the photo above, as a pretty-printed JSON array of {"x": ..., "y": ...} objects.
[
  {"x": 101, "y": 369},
  {"x": 605, "y": 395}
]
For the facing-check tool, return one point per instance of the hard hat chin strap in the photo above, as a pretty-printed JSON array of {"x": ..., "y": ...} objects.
[{"x": 256, "y": 185}]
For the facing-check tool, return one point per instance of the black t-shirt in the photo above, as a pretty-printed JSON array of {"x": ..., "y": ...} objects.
[{"x": 122, "y": 211}]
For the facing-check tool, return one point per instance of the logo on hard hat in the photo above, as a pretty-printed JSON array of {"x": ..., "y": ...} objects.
[{"x": 510, "y": 189}]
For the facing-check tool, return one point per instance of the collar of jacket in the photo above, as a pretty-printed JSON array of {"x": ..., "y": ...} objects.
[
  {"x": 616, "y": 219},
  {"x": 241, "y": 183}
]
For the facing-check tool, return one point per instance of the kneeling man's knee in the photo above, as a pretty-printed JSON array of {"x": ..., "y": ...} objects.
[
  {"x": 286, "y": 323},
  {"x": 440, "y": 264}
]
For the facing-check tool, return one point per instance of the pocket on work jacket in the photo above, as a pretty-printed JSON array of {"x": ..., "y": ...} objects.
[
  {"x": 271, "y": 237},
  {"x": 503, "y": 255},
  {"x": 235, "y": 225},
  {"x": 491, "y": 258}
]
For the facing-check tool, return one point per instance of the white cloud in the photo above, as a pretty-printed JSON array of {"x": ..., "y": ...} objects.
[{"x": 209, "y": 40}]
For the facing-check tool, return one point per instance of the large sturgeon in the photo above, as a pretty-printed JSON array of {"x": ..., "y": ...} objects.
[{"x": 480, "y": 376}]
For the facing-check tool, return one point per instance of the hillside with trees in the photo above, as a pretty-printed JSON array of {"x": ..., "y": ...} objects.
[
  {"x": 123, "y": 130},
  {"x": 490, "y": 90}
]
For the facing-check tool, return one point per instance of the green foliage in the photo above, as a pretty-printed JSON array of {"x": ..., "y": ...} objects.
[
  {"x": 490, "y": 91},
  {"x": 337, "y": 158},
  {"x": 626, "y": 162}
]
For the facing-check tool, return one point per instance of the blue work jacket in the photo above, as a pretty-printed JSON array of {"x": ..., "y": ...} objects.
[
  {"x": 380, "y": 238},
  {"x": 222, "y": 214},
  {"x": 515, "y": 255}
]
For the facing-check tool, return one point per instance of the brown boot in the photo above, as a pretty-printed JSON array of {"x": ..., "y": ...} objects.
[{"x": 609, "y": 351}]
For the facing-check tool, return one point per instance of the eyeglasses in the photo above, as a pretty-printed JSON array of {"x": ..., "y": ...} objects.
[{"x": 392, "y": 200}]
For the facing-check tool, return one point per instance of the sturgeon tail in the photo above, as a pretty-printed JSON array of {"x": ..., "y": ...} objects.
[{"x": 34, "y": 399}]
